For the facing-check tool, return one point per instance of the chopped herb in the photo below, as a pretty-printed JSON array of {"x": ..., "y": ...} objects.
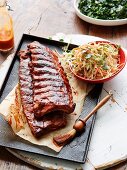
[
  {"x": 61, "y": 39},
  {"x": 88, "y": 56},
  {"x": 50, "y": 38},
  {"x": 105, "y": 67},
  {"x": 104, "y": 9},
  {"x": 65, "y": 48}
]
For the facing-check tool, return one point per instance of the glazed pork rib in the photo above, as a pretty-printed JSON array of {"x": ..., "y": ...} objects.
[
  {"x": 50, "y": 85},
  {"x": 49, "y": 122}
]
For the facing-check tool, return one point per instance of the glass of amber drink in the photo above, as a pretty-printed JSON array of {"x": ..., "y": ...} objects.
[{"x": 6, "y": 30}]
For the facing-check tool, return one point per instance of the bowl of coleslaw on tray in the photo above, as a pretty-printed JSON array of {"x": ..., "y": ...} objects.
[{"x": 96, "y": 62}]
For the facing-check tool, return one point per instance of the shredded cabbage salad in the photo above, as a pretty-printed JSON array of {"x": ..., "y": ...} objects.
[{"x": 94, "y": 60}]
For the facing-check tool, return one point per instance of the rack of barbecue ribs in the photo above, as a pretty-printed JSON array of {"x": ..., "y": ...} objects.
[{"x": 45, "y": 92}]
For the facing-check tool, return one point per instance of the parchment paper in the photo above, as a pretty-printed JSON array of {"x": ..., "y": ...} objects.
[{"x": 12, "y": 111}]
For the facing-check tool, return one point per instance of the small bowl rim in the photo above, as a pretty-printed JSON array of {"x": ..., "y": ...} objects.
[
  {"x": 95, "y": 19},
  {"x": 108, "y": 78}
]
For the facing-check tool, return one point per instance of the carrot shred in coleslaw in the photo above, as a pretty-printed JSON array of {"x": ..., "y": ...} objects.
[{"x": 94, "y": 60}]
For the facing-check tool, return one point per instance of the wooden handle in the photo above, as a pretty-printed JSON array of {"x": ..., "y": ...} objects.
[
  {"x": 98, "y": 106},
  {"x": 79, "y": 125}
]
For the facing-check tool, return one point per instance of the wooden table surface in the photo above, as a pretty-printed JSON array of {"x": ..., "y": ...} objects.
[{"x": 45, "y": 18}]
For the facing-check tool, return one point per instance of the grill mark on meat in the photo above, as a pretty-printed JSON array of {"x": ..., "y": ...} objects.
[
  {"x": 26, "y": 92},
  {"x": 36, "y": 57},
  {"x": 53, "y": 97},
  {"x": 35, "y": 45},
  {"x": 51, "y": 108},
  {"x": 37, "y": 51},
  {"x": 47, "y": 83},
  {"x": 49, "y": 122},
  {"x": 40, "y": 69},
  {"x": 42, "y": 63},
  {"x": 72, "y": 105},
  {"x": 47, "y": 89},
  {"x": 46, "y": 77},
  {"x": 27, "y": 99},
  {"x": 29, "y": 79},
  {"x": 48, "y": 102},
  {"x": 44, "y": 70},
  {"x": 25, "y": 84}
]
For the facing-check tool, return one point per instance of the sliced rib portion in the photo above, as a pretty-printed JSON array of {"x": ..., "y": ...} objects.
[
  {"x": 50, "y": 85},
  {"x": 50, "y": 121}
]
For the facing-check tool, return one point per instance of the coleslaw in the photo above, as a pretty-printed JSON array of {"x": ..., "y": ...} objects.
[{"x": 94, "y": 60}]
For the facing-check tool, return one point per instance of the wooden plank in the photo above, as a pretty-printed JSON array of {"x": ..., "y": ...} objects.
[
  {"x": 43, "y": 18},
  {"x": 100, "y": 31},
  {"x": 12, "y": 163},
  {"x": 120, "y": 35}
]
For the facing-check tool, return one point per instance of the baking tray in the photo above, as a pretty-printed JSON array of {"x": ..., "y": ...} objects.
[{"x": 77, "y": 149}]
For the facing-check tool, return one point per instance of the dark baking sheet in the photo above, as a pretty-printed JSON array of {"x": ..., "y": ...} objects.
[{"x": 75, "y": 150}]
